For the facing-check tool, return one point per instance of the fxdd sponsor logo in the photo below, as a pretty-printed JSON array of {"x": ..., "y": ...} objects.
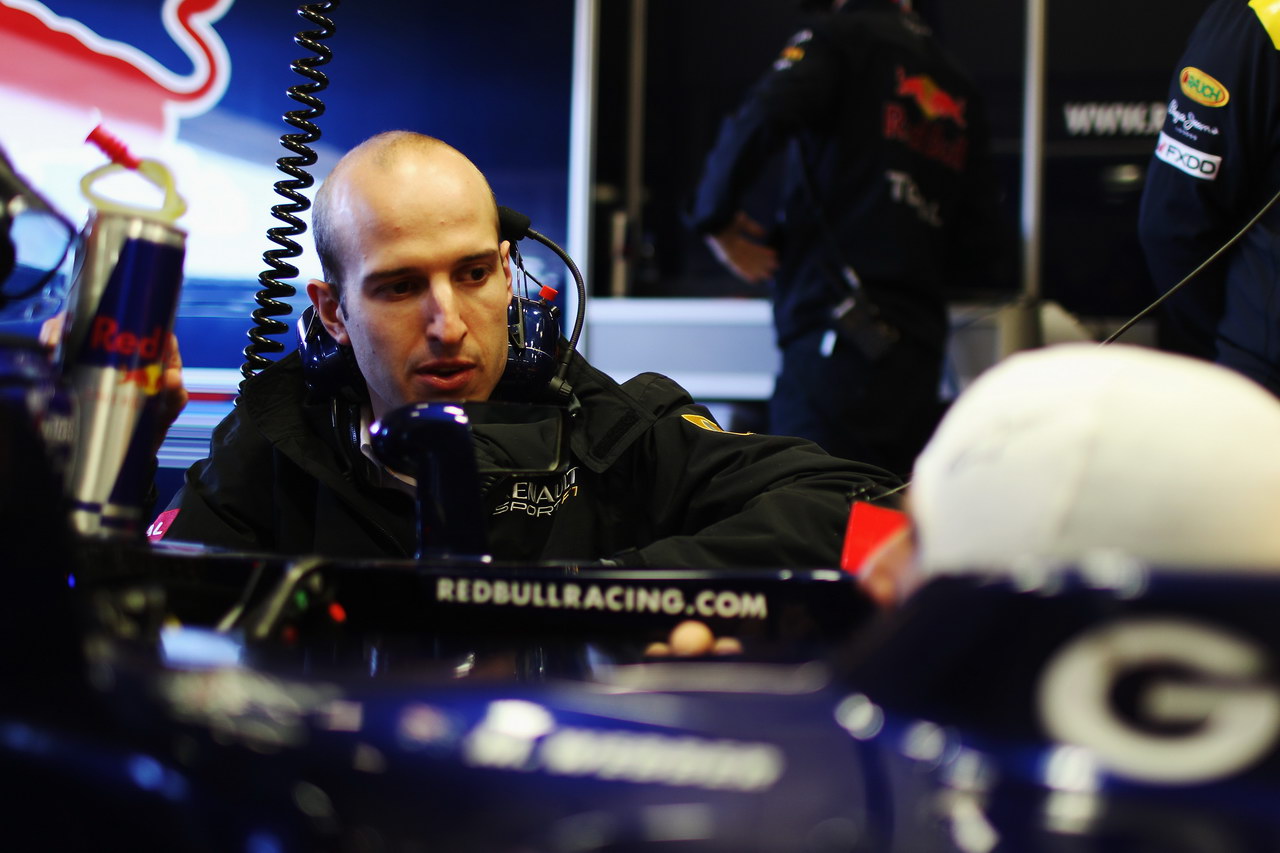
[{"x": 1195, "y": 163}]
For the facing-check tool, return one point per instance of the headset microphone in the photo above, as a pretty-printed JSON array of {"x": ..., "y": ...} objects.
[{"x": 512, "y": 224}]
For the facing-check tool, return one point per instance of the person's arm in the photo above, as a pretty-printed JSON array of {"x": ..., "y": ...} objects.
[
  {"x": 740, "y": 247},
  {"x": 728, "y": 500},
  {"x": 1210, "y": 170},
  {"x": 797, "y": 92}
]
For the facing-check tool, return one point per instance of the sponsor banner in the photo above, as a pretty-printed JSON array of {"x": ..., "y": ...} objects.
[
  {"x": 603, "y": 597},
  {"x": 1113, "y": 118}
]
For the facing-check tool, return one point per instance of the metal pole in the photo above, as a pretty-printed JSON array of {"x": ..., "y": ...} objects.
[
  {"x": 1021, "y": 328},
  {"x": 633, "y": 192},
  {"x": 582, "y": 124}
]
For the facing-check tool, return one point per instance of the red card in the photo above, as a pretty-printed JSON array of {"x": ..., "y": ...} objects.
[{"x": 869, "y": 527}]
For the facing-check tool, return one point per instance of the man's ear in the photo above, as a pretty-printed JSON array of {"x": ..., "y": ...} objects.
[
  {"x": 504, "y": 250},
  {"x": 328, "y": 309}
]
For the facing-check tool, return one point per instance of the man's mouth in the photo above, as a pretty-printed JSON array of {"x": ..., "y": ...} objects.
[{"x": 446, "y": 378}]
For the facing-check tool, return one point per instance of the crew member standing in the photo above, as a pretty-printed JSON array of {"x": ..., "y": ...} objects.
[
  {"x": 887, "y": 181},
  {"x": 1216, "y": 164}
]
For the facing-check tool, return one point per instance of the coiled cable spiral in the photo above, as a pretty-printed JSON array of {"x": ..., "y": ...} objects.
[{"x": 273, "y": 288}]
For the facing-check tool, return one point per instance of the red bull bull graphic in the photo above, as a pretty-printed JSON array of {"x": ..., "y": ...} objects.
[
  {"x": 938, "y": 136},
  {"x": 143, "y": 68},
  {"x": 57, "y": 60},
  {"x": 935, "y": 102}
]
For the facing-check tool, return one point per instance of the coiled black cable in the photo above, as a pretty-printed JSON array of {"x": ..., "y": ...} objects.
[{"x": 273, "y": 288}]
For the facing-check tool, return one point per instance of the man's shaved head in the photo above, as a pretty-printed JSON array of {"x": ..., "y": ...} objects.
[{"x": 381, "y": 152}]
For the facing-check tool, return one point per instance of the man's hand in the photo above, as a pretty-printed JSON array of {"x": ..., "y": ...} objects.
[
  {"x": 173, "y": 394},
  {"x": 738, "y": 246},
  {"x": 889, "y": 574}
]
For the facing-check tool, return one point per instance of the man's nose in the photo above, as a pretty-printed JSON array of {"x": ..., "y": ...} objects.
[{"x": 444, "y": 320}]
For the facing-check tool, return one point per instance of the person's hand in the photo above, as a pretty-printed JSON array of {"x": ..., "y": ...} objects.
[
  {"x": 51, "y": 331},
  {"x": 173, "y": 393},
  {"x": 693, "y": 639},
  {"x": 889, "y": 573},
  {"x": 738, "y": 246}
]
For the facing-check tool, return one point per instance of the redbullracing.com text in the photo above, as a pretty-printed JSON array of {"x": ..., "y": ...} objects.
[{"x": 609, "y": 598}]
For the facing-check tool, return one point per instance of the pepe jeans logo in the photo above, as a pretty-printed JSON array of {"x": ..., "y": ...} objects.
[
  {"x": 1202, "y": 88},
  {"x": 1187, "y": 124}
]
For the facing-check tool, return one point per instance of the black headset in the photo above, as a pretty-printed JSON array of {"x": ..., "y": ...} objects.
[{"x": 537, "y": 358}]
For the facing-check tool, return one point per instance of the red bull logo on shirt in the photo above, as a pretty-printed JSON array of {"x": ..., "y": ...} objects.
[{"x": 934, "y": 101}]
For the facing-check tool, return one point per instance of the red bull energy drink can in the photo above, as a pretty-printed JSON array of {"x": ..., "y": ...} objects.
[{"x": 124, "y": 295}]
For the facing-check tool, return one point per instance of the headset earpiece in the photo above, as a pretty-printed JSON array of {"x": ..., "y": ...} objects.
[
  {"x": 533, "y": 350},
  {"x": 328, "y": 368},
  {"x": 534, "y": 355}
]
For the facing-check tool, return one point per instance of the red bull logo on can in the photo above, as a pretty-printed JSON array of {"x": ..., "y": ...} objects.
[
  {"x": 128, "y": 329},
  {"x": 107, "y": 337},
  {"x": 146, "y": 378},
  {"x": 934, "y": 101}
]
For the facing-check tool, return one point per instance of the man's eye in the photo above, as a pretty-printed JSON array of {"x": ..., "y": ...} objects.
[
  {"x": 476, "y": 274},
  {"x": 397, "y": 288}
]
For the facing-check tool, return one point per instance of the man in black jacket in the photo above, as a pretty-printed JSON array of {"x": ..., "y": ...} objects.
[
  {"x": 887, "y": 180},
  {"x": 417, "y": 285}
]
